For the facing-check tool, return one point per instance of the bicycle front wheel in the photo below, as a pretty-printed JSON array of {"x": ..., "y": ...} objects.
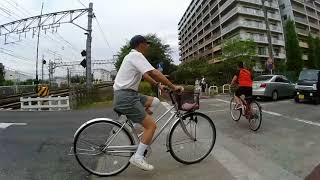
[
  {"x": 255, "y": 120},
  {"x": 234, "y": 112},
  {"x": 92, "y": 153},
  {"x": 187, "y": 150}
]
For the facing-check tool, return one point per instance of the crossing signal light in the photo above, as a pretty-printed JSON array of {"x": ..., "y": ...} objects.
[
  {"x": 84, "y": 63},
  {"x": 83, "y": 53}
]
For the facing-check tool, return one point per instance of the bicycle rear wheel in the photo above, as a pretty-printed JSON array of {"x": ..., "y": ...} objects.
[
  {"x": 235, "y": 113},
  {"x": 90, "y": 148},
  {"x": 256, "y": 119},
  {"x": 186, "y": 150}
]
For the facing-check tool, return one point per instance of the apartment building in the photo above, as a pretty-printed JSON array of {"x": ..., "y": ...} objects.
[
  {"x": 206, "y": 23},
  {"x": 306, "y": 15}
]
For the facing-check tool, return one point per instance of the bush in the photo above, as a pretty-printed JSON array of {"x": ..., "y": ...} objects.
[
  {"x": 189, "y": 88},
  {"x": 146, "y": 89}
]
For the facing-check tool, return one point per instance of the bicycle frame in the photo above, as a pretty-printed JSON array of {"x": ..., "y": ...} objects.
[{"x": 132, "y": 148}]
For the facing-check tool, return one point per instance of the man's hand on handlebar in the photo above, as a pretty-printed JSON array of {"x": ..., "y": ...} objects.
[{"x": 178, "y": 89}]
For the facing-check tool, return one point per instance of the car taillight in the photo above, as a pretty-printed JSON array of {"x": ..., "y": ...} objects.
[{"x": 263, "y": 85}]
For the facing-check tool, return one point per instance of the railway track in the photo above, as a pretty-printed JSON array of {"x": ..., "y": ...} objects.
[{"x": 13, "y": 102}]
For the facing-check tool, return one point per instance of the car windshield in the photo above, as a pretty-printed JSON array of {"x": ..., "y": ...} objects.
[
  {"x": 263, "y": 78},
  {"x": 310, "y": 75}
]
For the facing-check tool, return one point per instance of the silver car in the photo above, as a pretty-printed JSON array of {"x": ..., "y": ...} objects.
[{"x": 272, "y": 86}]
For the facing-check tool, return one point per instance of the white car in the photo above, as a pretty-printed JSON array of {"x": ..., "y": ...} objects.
[{"x": 272, "y": 86}]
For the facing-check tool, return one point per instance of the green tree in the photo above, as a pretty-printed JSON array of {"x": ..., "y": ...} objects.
[
  {"x": 2, "y": 74},
  {"x": 317, "y": 53},
  {"x": 236, "y": 49},
  {"x": 189, "y": 71},
  {"x": 311, "y": 52},
  {"x": 158, "y": 52},
  {"x": 8, "y": 83},
  {"x": 293, "y": 50}
]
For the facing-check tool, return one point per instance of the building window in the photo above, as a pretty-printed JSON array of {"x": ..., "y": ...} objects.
[
  {"x": 284, "y": 17},
  {"x": 262, "y": 51},
  {"x": 276, "y": 51}
]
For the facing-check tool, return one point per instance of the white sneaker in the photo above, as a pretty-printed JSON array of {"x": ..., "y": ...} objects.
[{"x": 141, "y": 163}]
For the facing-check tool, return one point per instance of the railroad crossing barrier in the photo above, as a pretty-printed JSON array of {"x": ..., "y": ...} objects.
[{"x": 45, "y": 103}]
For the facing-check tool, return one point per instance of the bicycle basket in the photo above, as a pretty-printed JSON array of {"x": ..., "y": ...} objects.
[{"x": 187, "y": 101}]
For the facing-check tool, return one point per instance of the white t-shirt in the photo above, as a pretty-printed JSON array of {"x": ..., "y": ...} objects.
[{"x": 134, "y": 65}]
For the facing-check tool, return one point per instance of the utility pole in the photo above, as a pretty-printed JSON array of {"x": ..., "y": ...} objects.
[
  {"x": 39, "y": 28},
  {"x": 51, "y": 71},
  {"x": 270, "y": 48},
  {"x": 68, "y": 76},
  {"x": 43, "y": 63},
  {"x": 88, "y": 47}
]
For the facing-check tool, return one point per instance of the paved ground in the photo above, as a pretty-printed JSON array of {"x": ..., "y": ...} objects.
[{"x": 286, "y": 147}]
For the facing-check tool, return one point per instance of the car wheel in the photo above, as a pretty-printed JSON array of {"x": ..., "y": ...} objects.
[{"x": 274, "y": 95}]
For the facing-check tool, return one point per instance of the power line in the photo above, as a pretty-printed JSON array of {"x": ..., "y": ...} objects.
[
  {"x": 104, "y": 36},
  {"x": 17, "y": 57},
  {"x": 15, "y": 6},
  {"x": 82, "y": 4},
  {"x": 18, "y": 5}
]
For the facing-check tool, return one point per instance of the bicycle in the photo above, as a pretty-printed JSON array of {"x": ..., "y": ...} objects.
[
  {"x": 103, "y": 146},
  {"x": 254, "y": 115}
]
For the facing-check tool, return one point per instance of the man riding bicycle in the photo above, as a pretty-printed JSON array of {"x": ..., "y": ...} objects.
[
  {"x": 137, "y": 107},
  {"x": 243, "y": 78}
]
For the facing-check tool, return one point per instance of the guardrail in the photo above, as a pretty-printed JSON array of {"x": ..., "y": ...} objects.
[
  {"x": 214, "y": 89},
  {"x": 226, "y": 87},
  {"x": 45, "y": 103}
]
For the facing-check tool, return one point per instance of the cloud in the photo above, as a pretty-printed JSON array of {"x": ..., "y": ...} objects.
[{"x": 119, "y": 21}]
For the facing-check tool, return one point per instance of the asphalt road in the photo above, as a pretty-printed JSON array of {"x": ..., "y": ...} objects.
[{"x": 286, "y": 147}]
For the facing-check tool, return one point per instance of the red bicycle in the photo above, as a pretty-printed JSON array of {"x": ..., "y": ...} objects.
[{"x": 251, "y": 109}]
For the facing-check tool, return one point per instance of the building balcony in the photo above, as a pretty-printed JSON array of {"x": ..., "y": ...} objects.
[
  {"x": 301, "y": 20},
  {"x": 299, "y": 1},
  {"x": 298, "y": 9},
  {"x": 225, "y": 5},
  {"x": 315, "y": 25},
  {"x": 303, "y": 44},
  {"x": 258, "y": 2},
  {"x": 278, "y": 42},
  {"x": 302, "y": 32},
  {"x": 305, "y": 57},
  {"x": 276, "y": 28},
  {"x": 229, "y": 14}
]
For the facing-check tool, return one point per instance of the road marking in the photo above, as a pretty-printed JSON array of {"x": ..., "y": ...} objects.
[
  {"x": 272, "y": 113},
  {"x": 238, "y": 169},
  {"x": 308, "y": 122},
  {"x": 223, "y": 101},
  {"x": 222, "y": 110},
  {"x": 281, "y": 115},
  {"x": 5, "y": 125}
]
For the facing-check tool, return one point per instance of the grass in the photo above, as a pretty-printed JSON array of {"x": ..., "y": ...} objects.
[{"x": 97, "y": 105}]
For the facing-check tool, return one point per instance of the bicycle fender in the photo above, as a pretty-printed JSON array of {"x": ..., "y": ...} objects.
[{"x": 94, "y": 120}]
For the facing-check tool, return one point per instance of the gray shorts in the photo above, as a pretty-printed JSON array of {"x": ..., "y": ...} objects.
[{"x": 131, "y": 104}]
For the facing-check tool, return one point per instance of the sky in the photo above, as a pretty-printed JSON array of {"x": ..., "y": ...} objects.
[{"x": 119, "y": 20}]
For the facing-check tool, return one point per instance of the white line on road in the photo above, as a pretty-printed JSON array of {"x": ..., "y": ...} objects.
[
  {"x": 272, "y": 113},
  {"x": 221, "y": 100},
  {"x": 281, "y": 115},
  {"x": 222, "y": 110},
  {"x": 5, "y": 125},
  {"x": 308, "y": 122}
]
